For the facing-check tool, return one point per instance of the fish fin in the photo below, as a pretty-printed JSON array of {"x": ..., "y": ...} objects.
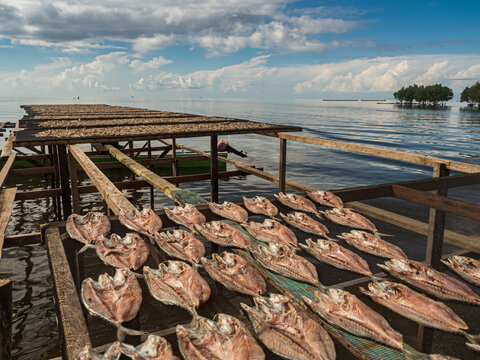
[
  {"x": 473, "y": 339},
  {"x": 414, "y": 354},
  {"x": 329, "y": 238},
  {"x": 383, "y": 266},
  {"x": 86, "y": 247},
  {"x": 378, "y": 234},
  {"x": 473, "y": 347}
]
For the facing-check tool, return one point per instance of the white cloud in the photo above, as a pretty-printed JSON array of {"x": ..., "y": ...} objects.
[
  {"x": 155, "y": 63},
  {"x": 221, "y": 26}
]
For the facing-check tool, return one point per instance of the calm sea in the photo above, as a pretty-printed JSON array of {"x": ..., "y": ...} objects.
[{"x": 450, "y": 133}]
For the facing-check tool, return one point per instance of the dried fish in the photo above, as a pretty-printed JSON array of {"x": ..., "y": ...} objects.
[
  {"x": 297, "y": 202},
  {"x": 326, "y": 198},
  {"x": 260, "y": 205},
  {"x": 145, "y": 222},
  {"x": 129, "y": 252},
  {"x": 305, "y": 223},
  {"x": 430, "y": 280},
  {"x": 271, "y": 231},
  {"x": 283, "y": 260},
  {"x": 415, "y": 306},
  {"x": 113, "y": 353},
  {"x": 372, "y": 244},
  {"x": 115, "y": 299},
  {"x": 230, "y": 211},
  {"x": 154, "y": 348},
  {"x": 177, "y": 283},
  {"x": 345, "y": 310},
  {"x": 187, "y": 216},
  {"x": 87, "y": 228},
  {"x": 288, "y": 331},
  {"x": 466, "y": 267},
  {"x": 331, "y": 253},
  {"x": 227, "y": 338},
  {"x": 181, "y": 244},
  {"x": 235, "y": 273},
  {"x": 223, "y": 234},
  {"x": 349, "y": 218}
]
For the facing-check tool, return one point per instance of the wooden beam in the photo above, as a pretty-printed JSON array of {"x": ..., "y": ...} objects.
[
  {"x": 114, "y": 197},
  {"x": 213, "y": 168},
  {"x": 381, "y": 152},
  {"x": 457, "y": 207},
  {"x": 6, "y": 313},
  {"x": 282, "y": 173},
  {"x": 72, "y": 169},
  {"x": 64, "y": 181},
  {"x": 7, "y": 196},
  {"x": 22, "y": 240},
  {"x": 174, "y": 158},
  {"x": 6, "y": 168},
  {"x": 73, "y": 330},
  {"x": 169, "y": 189},
  {"x": 7, "y": 148}
]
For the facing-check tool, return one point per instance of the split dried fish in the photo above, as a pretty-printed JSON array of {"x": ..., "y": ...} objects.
[
  {"x": 235, "y": 273},
  {"x": 187, "y": 216},
  {"x": 288, "y": 331},
  {"x": 260, "y": 205},
  {"x": 466, "y": 267},
  {"x": 331, "y": 253},
  {"x": 115, "y": 299},
  {"x": 154, "y": 348},
  {"x": 227, "y": 338},
  {"x": 177, "y": 283},
  {"x": 230, "y": 211},
  {"x": 326, "y": 198},
  {"x": 349, "y": 218},
  {"x": 305, "y": 223},
  {"x": 372, "y": 244},
  {"x": 129, "y": 252},
  {"x": 283, "y": 260},
  {"x": 415, "y": 306},
  {"x": 224, "y": 234},
  {"x": 297, "y": 202},
  {"x": 271, "y": 231},
  {"x": 430, "y": 280},
  {"x": 181, "y": 244},
  {"x": 113, "y": 353},
  {"x": 145, "y": 222},
  {"x": 87, "y": 228},
  {"x": 345, "y": 310}
]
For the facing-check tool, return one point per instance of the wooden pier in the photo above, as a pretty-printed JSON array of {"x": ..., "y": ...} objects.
[{"x": 53, "y": 139}]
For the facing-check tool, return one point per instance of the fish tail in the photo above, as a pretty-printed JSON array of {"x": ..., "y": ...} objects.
[
  {"x": 329, "y": 238},
  {"x": 137, "y": 275},
  {"x": 413, "y": 354},
  {"x": 322, "y": 287},
  {"x": 374, "y": 278},
  {"x": 320, "y": 214},
  {"x": 275, "y": 218},
  {"x": 152, "y": 239},
  {"x": 378, "y": 234},
  {"x": 123, "y": 331},
  {"x": 474, "y": 339},
  {"x": 86, "y": 247}
]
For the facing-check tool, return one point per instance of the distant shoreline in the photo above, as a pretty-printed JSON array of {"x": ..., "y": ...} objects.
[{"x": 353, "y": 100}]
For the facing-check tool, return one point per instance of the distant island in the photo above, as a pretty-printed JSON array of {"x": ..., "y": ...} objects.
[
  {"x": 432, "y": 95},
  {"x": 471, "y": 95}
]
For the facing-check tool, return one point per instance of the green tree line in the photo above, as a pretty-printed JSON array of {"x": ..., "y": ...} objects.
[
  {"x": 424, "y": 95},
  {"x": 471, "y": 95}
]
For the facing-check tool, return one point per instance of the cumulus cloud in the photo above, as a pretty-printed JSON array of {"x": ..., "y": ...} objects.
[
  {"x": 221, "y": 26},
  {"x": 155, "y": 63}
]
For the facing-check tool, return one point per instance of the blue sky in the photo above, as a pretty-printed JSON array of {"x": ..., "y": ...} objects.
[{"x": 230, "y": 48}]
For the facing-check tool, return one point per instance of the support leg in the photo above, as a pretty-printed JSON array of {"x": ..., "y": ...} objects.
[{"x": 283, "y": 165}]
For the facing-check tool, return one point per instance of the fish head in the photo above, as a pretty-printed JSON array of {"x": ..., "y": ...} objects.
[
  {"x": 298, "y": 216},
  {"x": 400, "y": 265},
  {"x": 383, "y": 288},
  {"x": 178, "y": 234},
  {"x": 174, "y": 267},
  {"x": 278, "y": 302},
  {"x": 105, "y": 281},
  {"x": 269, "y": 223},
  {"x": 324, "y": 244},
  {"x": 226, "y": 324},
  {"x": 229, "y": 258},
  {"x": 216, "y": 225},
  {"x": 130, "y": 238},
  {"x": 461, "y": 261},
  {"x": 154, "y": 346},
  {"x": 120, "y": 277}
]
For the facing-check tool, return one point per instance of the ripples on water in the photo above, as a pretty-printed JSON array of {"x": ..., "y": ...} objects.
[{"x": 450, "y": 133}]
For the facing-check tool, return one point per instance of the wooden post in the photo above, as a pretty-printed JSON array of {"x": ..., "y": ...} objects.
[
  {"x": 64, "y": 181},
  {"x": 53, "y": 183},
  {"x": 152, "y": 202},
  {"x": 5, "y": 318},
  {"x": 174, "y": 158},
  {"x": 436, "y": 229},
  {"x": 214, "y": 168},
  {"x": 282, "y": 177},
  {"x": 74, "y": 183}
]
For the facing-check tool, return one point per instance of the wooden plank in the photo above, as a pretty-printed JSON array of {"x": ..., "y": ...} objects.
[
  {"x": 7, "y": 196},
  {"x": 381, "y": 152},
  {"x": 6, "y": 168},
  {"x": 73, "y": 330},
  {"x": 436, "y": 224},
  {"x": 72, "y": 169},
  {"x": 283, "y": 165},
  {"x": 160, "y": 183},
  {"x": 114, "y": 197},
  {"x": 174, "y": 158},
  {"x": 213, "y": 168},
  {"x": 7, "y": 148},
  {"x": 64, "y": 181},
  {"x": 5, "y": 318},
  {"x": 22, "y": 240},
  {"x": 457, "y": 207}
]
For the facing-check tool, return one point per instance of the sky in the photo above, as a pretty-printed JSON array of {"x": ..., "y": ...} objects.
[{"x": 235, "y": 48}]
